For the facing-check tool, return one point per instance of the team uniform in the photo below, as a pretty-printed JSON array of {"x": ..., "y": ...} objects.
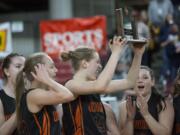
[
  {"x": 84, "y": 116},
  {"x": 9, "y": 106},
  {"x": 176, "y": 103},
  {"x": 140, "y": 125},
  {"x": 44, "y": 122}
]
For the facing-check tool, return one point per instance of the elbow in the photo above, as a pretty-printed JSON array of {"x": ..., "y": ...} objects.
[
  {"x": 66, "y": 97},
  {"x": 69, "y": 97},
  {"x": 101, "y": 88}
]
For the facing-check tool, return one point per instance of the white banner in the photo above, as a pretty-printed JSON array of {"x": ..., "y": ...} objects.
[{"x": 5, "y": 39}]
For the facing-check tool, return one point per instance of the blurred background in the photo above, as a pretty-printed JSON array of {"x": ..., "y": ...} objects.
[{"x": 157, "y": 20}]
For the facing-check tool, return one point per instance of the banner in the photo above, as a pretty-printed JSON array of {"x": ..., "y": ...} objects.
[
  {"x": 5, "y": 39},
  {"x": 63, "y": 35}
]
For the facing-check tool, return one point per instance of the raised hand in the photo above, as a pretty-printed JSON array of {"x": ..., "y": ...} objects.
[
  {"x": 41, "y": 73},
  {"x": 117, "y": 44},
  {"x": 131, "y": 108},
  {"x": 142, "y": 105}
]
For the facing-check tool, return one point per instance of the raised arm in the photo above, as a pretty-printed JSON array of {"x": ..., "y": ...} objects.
[
  {"x": 55, "y": 94},
  {"x": 6, "y": 127},
  {"x": 129, "y": 82},
  {"x": 99, "y": 85}
]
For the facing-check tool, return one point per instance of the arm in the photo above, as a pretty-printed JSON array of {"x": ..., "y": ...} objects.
[
  {"x": 99, "y": 85},
  {"x": 130, "y": 81},
  {"x": 111, "y": 122},
  {"x": 56, "y": 94},
  {"x": 166, "y": 118},
  {"x": 126, "y": 117},
  {"x": 6, "y": 127},
  {"x": 165, "y": 123}
]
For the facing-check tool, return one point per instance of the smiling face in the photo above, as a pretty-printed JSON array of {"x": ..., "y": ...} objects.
[
  {"x": 93, "y": 67},
  {"x": 144, "y": 83}
]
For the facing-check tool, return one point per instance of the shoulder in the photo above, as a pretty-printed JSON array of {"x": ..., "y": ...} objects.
[
  {"x": 167, "y": 105},
  {"x": 71, "y": 84},
  {"x": 168, "y": 102}
]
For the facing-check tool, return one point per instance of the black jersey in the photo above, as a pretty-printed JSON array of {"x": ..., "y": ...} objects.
[
  {"x": 140, "y": 125},
  {"x": 176, "y": 103},
  {"x": 44, "y": 122},
  {"x": 84, "y": 116},
  {"x": 9, "y": 105}
]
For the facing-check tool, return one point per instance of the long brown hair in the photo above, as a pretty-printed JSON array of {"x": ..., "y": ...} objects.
[
  {"x": 30, "y": 63},
  {"x": 78, "y": 55}
]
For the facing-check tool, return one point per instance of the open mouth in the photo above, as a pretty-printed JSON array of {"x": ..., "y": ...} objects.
[{"x": 141, "y": 87}]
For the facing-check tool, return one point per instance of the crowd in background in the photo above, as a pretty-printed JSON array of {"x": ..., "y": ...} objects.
[
  {"x": 159, "y": 23},
  {"x": 29, "y": 83}
]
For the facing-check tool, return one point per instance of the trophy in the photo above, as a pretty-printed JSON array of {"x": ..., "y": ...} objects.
[{"x": 121, "y": 31}]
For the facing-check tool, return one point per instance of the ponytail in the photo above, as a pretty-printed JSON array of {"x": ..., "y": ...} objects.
[
  {"x": 65, "y": 56},
  {"x": 79, "y": 54},
  {"x": 20, "y": 88}
]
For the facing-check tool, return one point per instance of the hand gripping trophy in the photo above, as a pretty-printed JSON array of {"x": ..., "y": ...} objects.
[{"x": 121, "y": 31}]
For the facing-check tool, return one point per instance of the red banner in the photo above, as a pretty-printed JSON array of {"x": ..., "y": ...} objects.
[{"x": 64, "y": 35}]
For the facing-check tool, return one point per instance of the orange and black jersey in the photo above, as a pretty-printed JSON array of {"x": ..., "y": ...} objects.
[
  {"x": 9, "y": 105},
  {"x": 44, "y": 122},
  {"x": 140, "y": 125},
  {"x": 176, "y": 103},
  {"x": 84, "y": 116}
]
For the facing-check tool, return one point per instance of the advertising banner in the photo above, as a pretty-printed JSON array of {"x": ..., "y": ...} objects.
[{"x": 63, "y": 35}]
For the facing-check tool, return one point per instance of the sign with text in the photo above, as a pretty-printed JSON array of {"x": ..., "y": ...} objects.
[
  {"x": 5, "y": 39},
  {"x": 63, "y": 35}
]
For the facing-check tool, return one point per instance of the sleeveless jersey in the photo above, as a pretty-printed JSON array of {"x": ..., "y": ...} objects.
[
  {"x": 84, "y": 116},
  {"x": 44, "y": 122},
  {"x": 176, "y": 103},
  {"x": 9, "y": 105},
  {"x": 140, "y": 125}
]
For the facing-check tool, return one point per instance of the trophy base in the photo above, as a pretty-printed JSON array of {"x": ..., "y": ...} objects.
[{"x": 137, "y": 41}]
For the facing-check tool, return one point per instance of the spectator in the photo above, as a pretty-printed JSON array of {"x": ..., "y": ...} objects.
[{"x": 158, "y": 10}]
